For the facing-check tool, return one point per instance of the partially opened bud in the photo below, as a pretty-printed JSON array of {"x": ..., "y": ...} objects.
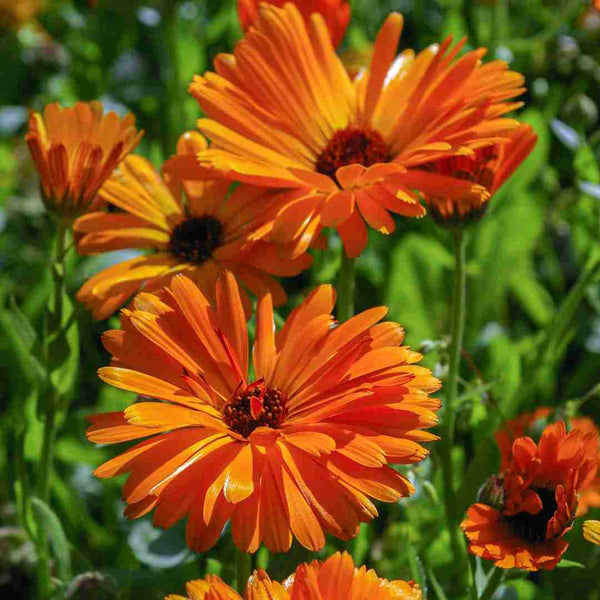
[
  {"x": 75, "y": 150},
  {"x": 489, "y": 167}
]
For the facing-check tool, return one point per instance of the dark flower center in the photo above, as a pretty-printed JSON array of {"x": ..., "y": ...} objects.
[
  {"x": 195, "y": 240},
  {"x": 258, "y": 405},
  {"x": 532, "y": 528},
  {"x": 350, "y": 146}
]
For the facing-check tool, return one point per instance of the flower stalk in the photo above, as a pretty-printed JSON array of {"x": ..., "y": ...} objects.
[
  {"x": 346, "y": 282},
  {"x": 494, "y": 579},
  {"x": 457, "y": 333},
  {"x": 244, "y": 568},
  {"x": 52, "y": 329}
]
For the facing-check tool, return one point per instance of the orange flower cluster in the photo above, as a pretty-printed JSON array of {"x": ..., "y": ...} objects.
[
  {"x": 295, "y": 452},
  {"x": 525, "y": 512},
  {"x": 75, "y": 150},
  {"x": 347, "y": 152},
  {"x": 210, "y": 232},
  {"x": 332, "y": 579}
]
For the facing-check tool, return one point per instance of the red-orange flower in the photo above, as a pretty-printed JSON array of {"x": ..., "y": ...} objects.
[
  {"x": 490, "y": 167},
  {"x": 209, "y": 232},
  {"x": 532, "y": 424},
  {"x": 75, "y": 150},
  {"x": 335, "y": 578},
  {"x": 297, "y": 451},
  {"x": 335, "y": 12},
  {"x": 346, "y": 150},
  {"x": 523, "y": 522}
]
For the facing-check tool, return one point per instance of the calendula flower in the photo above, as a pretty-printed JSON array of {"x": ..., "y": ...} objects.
[
  {"x": 15, "y": 13},
  {"x": 532, "y": 424},
  {"x": 75, "y": 150},
  {"x": 346, "y": 150},
  {"x": 211, "y": 588},
  {"x": 335, "y": 12},
  {"x": 523, "y": 523},
  {"x": 296, "y": 451},
  {"x": 591, "y": 531},
  {"x": 209, "y": 232},
  {"x": 490, "y": 167},
  {"x": 335, "y": 578}
]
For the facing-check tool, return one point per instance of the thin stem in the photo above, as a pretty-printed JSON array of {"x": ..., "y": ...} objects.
[
  {"x": 346, "y": 281},
  {"x": 54, "y": 323},
  {"x": 451, "y": 388},
  {"x": 493, "y": 581},
  {"x": 175, "y": 99},
  {"x": 244, "y": 567}
]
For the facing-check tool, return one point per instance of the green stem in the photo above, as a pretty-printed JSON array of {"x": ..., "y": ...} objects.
[
  {"x": 493, "y": 581},
  {"x": 244, "y": 568},
  {"x": 54, "y": 323},
  {"x": 174, "y": 96},
  {"x": 346, "y": 281},
  {"x": 451, "y": 389}
]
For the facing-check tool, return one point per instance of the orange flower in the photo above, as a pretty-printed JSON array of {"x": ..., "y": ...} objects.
[
  {"x": 490, "y": 167},
  {"x": 211, "y": 588},
  {"x": 523, "y": 523},
  {"x": 75, "y": 150},
  {"x": 596, "y": 4},
  {"x": 591, "y": 531},
  {"x": 211, "y": 232},
  {"x": 332, "y": 579},
  {"x": 532, "y": 424},
  {"x": 298, "y": 451},
  {"x": 338, "y": 578},
  {"x": 344, "y": 149},
  {"x": 336, "y": 14}
]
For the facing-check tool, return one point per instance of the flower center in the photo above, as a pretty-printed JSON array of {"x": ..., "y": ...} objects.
[
  {"x": 194, "y": 240},
  {"x": 532, "y": 528},
  {"x": 258, "y": 405},
  {"x": 350, "y": 146}
]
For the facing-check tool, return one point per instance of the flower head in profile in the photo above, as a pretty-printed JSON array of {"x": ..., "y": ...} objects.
[
  {"x": 332, "y": 579},
  {"x": 207, "y": 231},
  {"x": 591, "y": 531},
  {"x": 346, "y": 150},
  {"x": 522, "y": 524},
  {"x": 75, "y": 150},
  {"x": 336, "y": 14},
  {"x": 489, "y": 167},
  {"x": 532, "y": 424},
  {"x": 298, "y": 450}
]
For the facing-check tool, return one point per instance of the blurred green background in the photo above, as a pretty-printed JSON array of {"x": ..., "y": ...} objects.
[{"x": 533, "y": 320}]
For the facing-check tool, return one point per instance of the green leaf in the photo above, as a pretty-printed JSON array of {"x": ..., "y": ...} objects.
[
  {"x": 586, "y": 164},
  {"x": 22, "y": 340},
  {"x": 418, "y": 289},
  {"x": 538, "y": 159},
  {"x": 564, "y": 564},
  {"x": 50, "y": 526}
]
